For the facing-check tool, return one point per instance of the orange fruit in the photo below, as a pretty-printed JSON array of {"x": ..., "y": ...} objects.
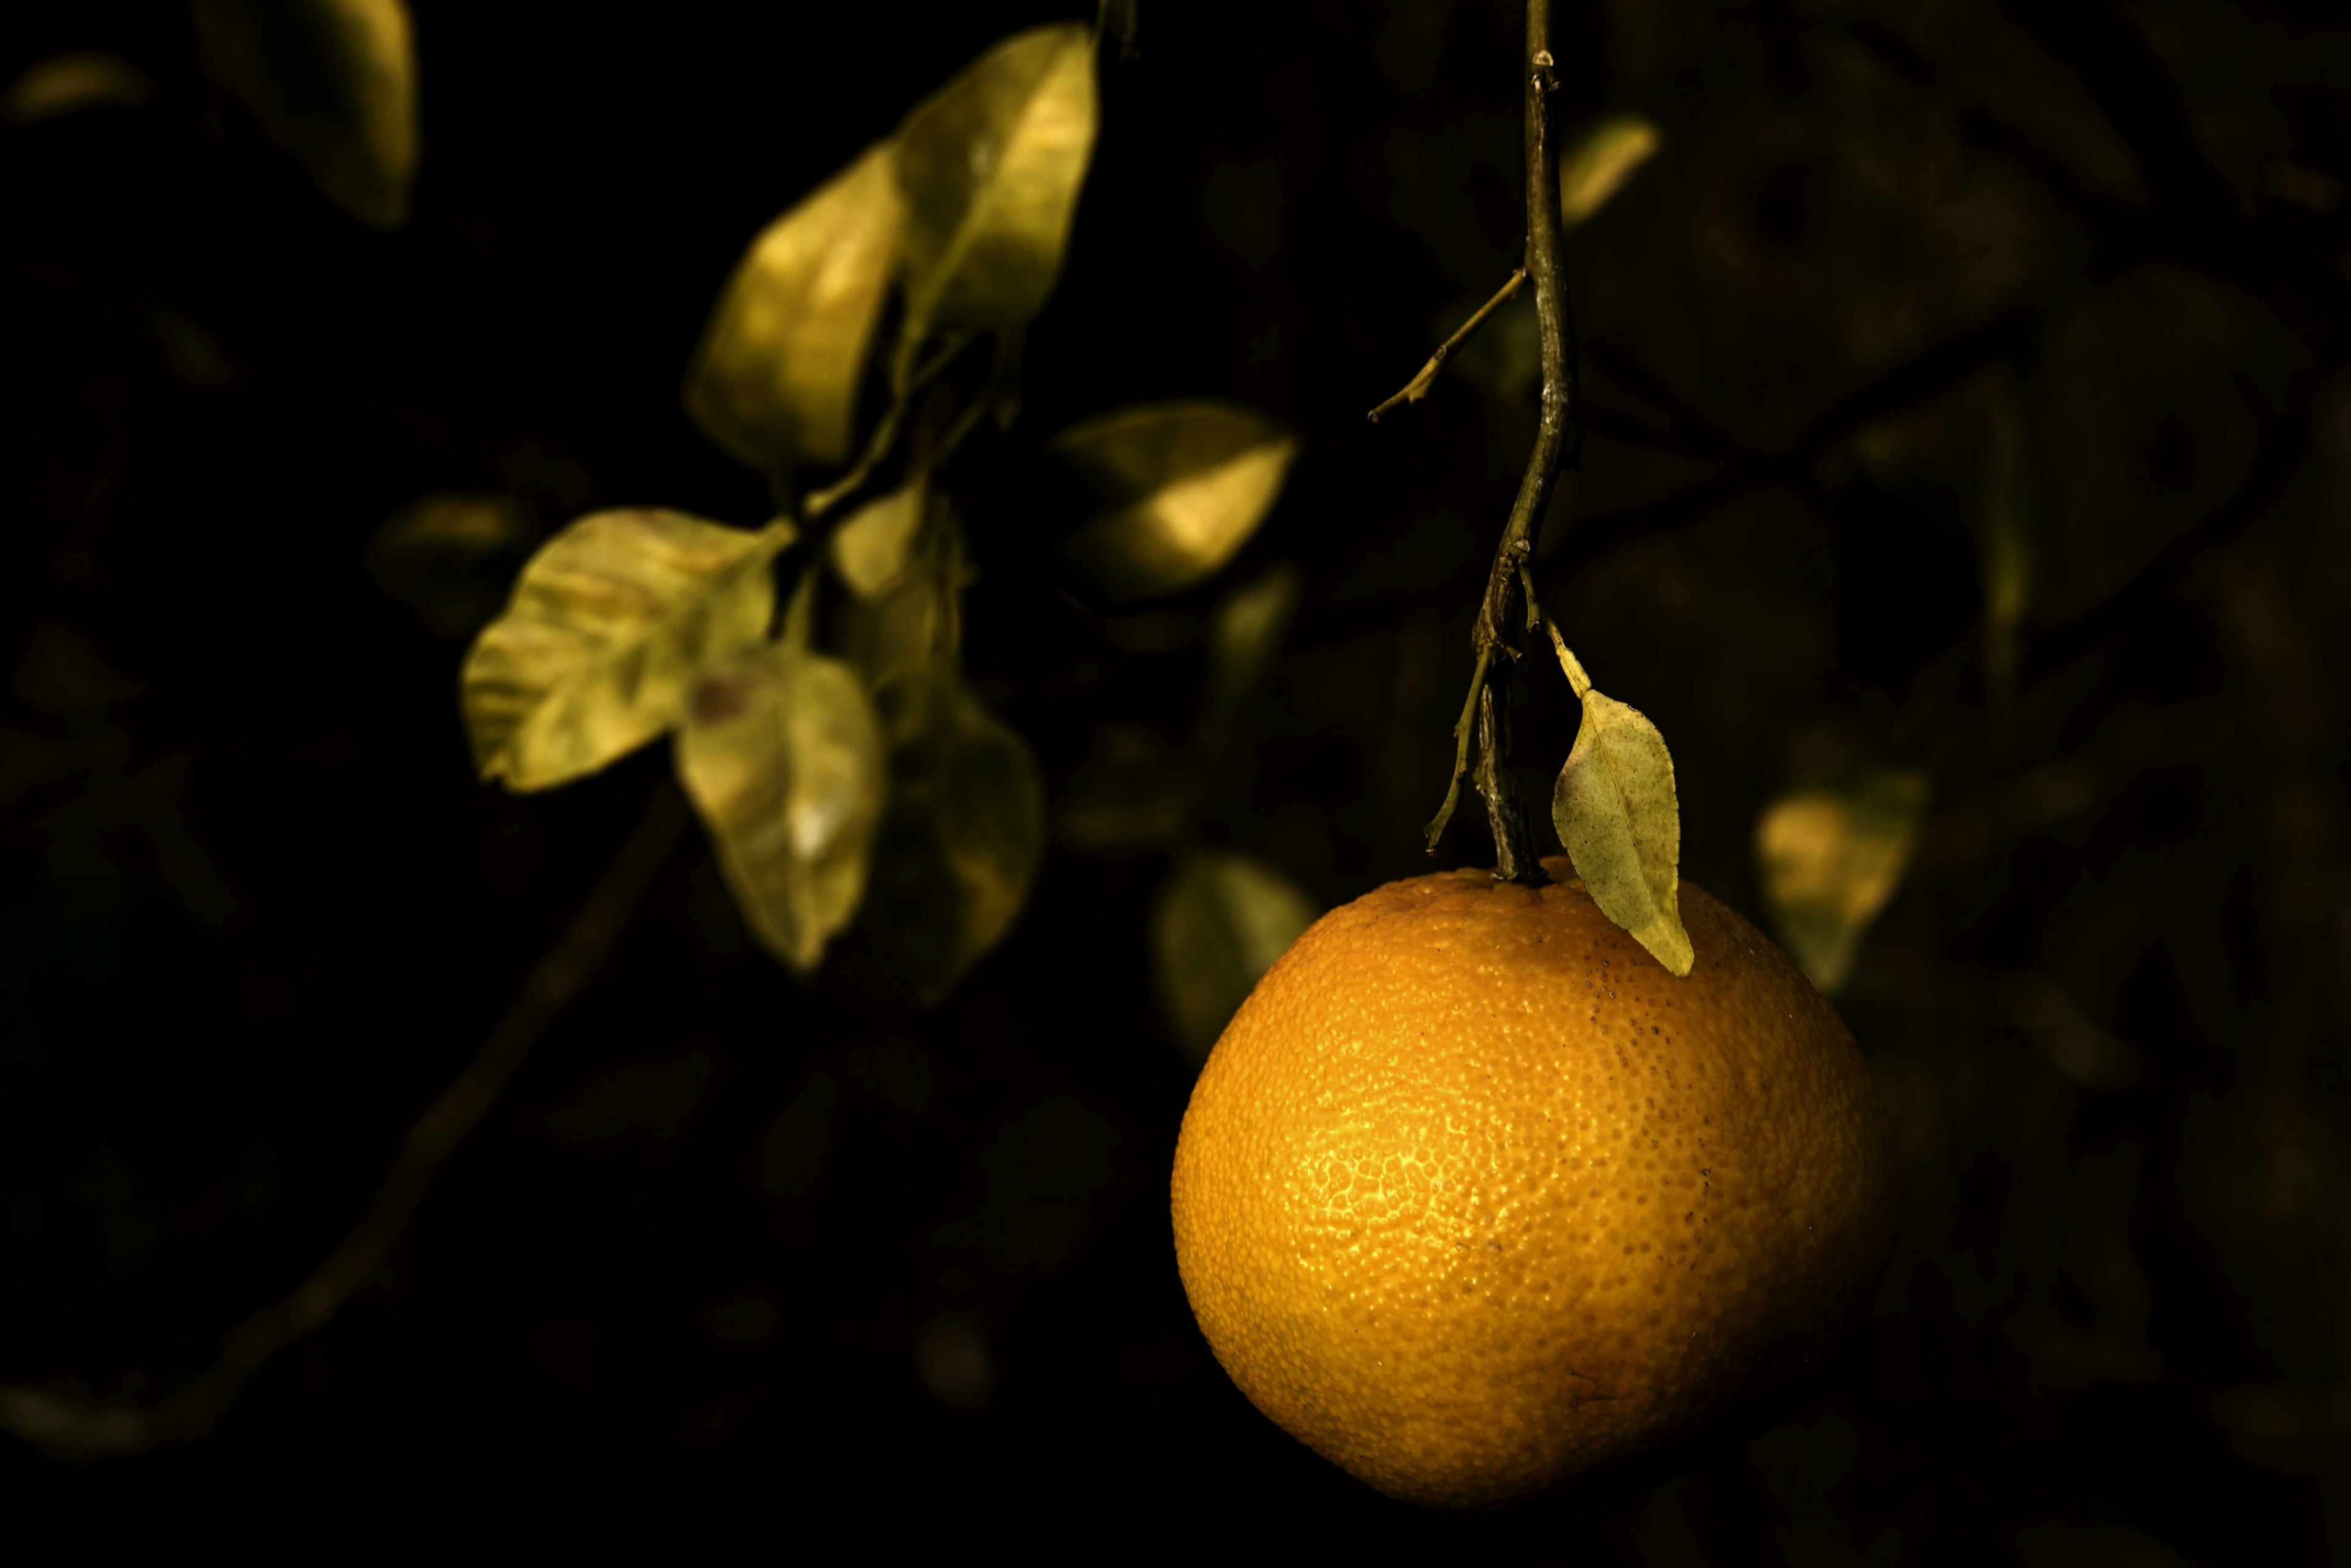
[{"x": 1477, "y": 1201}]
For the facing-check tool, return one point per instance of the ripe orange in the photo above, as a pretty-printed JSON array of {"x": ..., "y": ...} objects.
[{"x": 1476, "y": 1200}]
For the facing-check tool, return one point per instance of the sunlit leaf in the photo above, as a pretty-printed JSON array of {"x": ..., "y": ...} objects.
[
  {"x": 1243, "y": 637},
  {"x": 1220, "y": 922},
  {"x": 333, "y": 82},
  {"x": 1829, "y": 860},
  {"x": 776, "y": 375},
  {"x": 449, "y": 558},
  {"x": 1131, "y": 791},
  {"x": 66, "y": 84},
  {"x": 780, "y": 753},
  {"x": 873, "y": 547},
  {"x": 609, "y": 626},
  {"x": 1597, "y": 166},
  {"x": 1177, "y": 489},
  {"x": 1616, "y": 812},
  {"x": 962, "y": 836},
  {"x": 990, "y": 166}
]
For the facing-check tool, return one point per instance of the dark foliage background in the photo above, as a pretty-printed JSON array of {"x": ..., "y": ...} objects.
[{"x": 800, "y": 1260}]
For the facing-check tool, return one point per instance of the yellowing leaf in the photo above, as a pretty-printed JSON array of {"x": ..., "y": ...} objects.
[
  {"x": 962, "y": 836},
  {"x": 1596, "y": 167},
  {"x": 871, "y": 550},
  {"x": 780, "y": 753},
  {"x": 1616, "y": 812},
  {"x": 66, "y": 84},
  {"x": 1217, "y": 925},
  {"x": 610, "y": 624},
  {"x": 333, "y": 82},
  {"x": 1177, "y": 487},
  {"x": 1830, "y": 859},
  {"x": 990, "y": 166},
  {"x": 776, "y": 377}
]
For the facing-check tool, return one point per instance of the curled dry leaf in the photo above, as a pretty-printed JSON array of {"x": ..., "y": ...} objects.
[
  {"x": 774, "y": 380},
  {"x": 1597, "y": 166},
  {"x": 333, "y": 82},
  {"x": 962, "y": 836},
  {"x": 780, "y": 753},
  {"x": 872, "y": 548},
  {"x": 1220, "y": 921},
  {"x": 66, "y": 84},
  {"x": 1177, "y": 487},
  {"x": 1616, "y": 813},
  {"x": 610, "y": 624},
  {"x": 990, "y": 167},
  {"x": 1830, "y": 859}
]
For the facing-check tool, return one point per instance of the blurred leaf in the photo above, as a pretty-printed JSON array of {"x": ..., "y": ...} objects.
[
  {"x": 1615, "y": 811},
  {"x": 961, "y": 837},
  {"x": 776, "y": 377},
  {"x": 63, "y": 672},
  {"x": 2007, "y": 549},
  {"x": 610, "y": 624},
  {"x": 1243, "y": 638},
  {"x": 1217, "y": 925},
  {"x": 333, "y": 82},
  {"x": 1597, "y": 166},
  {"x": 781, "y": 756},
  {"x": 871, "y": 550},
  {"x": 1131, "y": 791},
  {"x": 916, "y": 619},
  {"x": 66, "y": 84},
  {"x": 449, "y": 558},
  {"x": 1178, "y": 487},
  {"x": 1830, "y": 859},
  {"x": 990, "y": 166}
]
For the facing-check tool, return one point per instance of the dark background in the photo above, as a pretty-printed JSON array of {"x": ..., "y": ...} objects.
[{"x": 801, "y": 1261}]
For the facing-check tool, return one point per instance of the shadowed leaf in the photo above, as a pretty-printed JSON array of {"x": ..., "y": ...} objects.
[
  {"x": 1616, "y": 813},
  {"x": 1217, "y": 925},
  {"x": 918, "y": 619},
  {"x": 2006, "y": 549},
  {"x": 1830, "y": 859},
  {"x": 333, "y": 82},
  {"x": 776, "y": 377},
  {"x": 450, "y": 557},
  {"x": 1177, "y": 489},
  {"x": 1597, "y": 166},
  {"x": 961, "y": 839},
  {"x": 66, "y": 84},
  {"x": 1131, "y": 791},
  {"x": 1243, "y": 638},
  {"x": 780, "y": 753},
  {"x": 990, "y": 166},
  {"x": 610, "y": 624},
  {"x": 872, "y": 548}
]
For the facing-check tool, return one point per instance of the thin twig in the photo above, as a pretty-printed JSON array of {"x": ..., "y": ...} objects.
[
  {"x": 1417, "y": 388},
  {"x": 89, "y": 1430},
  {"x": 1559, "y": 441}
]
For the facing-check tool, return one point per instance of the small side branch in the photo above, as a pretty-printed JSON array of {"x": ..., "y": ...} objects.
[
  {"x": 85, "y": 1429},
  {"x": 1417, "y": 388}
]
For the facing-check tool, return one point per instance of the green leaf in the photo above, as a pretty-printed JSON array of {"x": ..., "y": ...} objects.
[
  {"x": 333, "y": 82},
  {"x": 873, "y": 550},
  {"x": 608, "y": 625},
  {"x": 1597, "y": 166},
  {"x": 1829, "y": 859},
  {"x": 961, "y": 837},
  {"x": 774, "y": 380},
  {"x": 990, "y": 167},
  {"x": 1177, "y": 489},
  {"x": 780, "y": 753},
  {"x": 1616, "y": 814},
  {"x": 1220, "y": 921}
]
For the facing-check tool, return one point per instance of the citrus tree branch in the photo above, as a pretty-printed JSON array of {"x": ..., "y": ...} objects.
[
  {"x": 1559, "y": 441},
  {"x": 88, "y": 1429},
  {"x": 1417, "y": 388}
]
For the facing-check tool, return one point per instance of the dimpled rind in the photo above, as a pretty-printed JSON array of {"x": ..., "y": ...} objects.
[{"x": 1476, "y": 1200}]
